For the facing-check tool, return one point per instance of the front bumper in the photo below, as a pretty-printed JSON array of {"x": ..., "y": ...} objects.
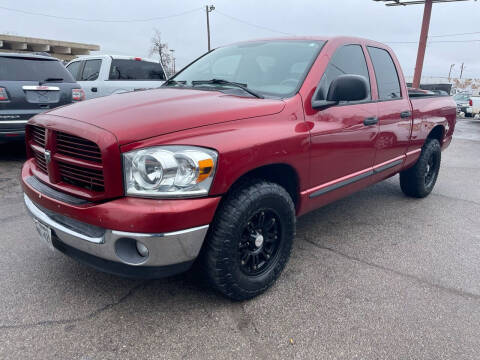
[
  {"x": 115, "y": 251},
  {"x": 12, "y": 129}
]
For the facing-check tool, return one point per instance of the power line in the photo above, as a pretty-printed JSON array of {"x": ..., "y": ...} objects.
[
  {"x": 434, "y": 42},
  {"x": 459, "y": 34},
  {"x": 251, "y": 24},
  {"x": 100, "y": 20}
]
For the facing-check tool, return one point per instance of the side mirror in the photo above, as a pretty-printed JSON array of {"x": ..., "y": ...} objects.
[{"x": 346, "y": 87}]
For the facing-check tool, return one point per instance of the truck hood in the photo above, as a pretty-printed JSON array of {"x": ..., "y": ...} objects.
[{"x": 139, "y": 115}]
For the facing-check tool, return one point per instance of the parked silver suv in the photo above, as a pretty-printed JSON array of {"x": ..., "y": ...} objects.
[{"x": 30, "y": 84}]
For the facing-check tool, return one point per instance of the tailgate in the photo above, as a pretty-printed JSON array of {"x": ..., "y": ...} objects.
[{"x": 29, "y": 95}]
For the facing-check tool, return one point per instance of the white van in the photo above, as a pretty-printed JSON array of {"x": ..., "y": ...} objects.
[{"x": 102, "y": 75}]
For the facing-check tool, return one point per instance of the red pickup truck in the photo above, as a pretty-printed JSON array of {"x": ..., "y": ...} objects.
[{"x": 215, "y": 166}]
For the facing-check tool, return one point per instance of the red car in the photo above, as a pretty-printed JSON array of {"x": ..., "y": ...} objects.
[{"x": 215, "y": 166}]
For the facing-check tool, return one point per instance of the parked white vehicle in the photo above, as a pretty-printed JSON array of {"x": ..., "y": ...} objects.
[
  {"x": 475, "y": 104},
  {"x": 102, "y": 75}
]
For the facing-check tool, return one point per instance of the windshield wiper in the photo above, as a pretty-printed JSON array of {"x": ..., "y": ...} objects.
[
  {"x": 174, "y": 82},
  {"x": 228, "y": 83},
  {"x": 51, "y": 79}
]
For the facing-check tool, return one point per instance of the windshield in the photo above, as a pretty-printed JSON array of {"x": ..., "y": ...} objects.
[
  {"x": 24, "y": 69},
  {"x": 270, "y": 68}
]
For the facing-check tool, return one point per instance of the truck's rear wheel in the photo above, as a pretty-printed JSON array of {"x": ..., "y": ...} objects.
[
  {"x": 419, "y": 180},
  {"x": 250, "y": 240}
]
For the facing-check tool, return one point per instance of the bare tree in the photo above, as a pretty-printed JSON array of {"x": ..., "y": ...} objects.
[{"x": 161, "y": 49}]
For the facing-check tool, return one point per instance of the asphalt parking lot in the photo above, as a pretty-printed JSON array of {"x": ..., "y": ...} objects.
[{"x": 375, "y": 275}]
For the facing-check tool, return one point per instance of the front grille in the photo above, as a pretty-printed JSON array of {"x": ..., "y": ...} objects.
[
  {"x": 71, "y": 145},
  {"x": 79, "y": 161},
  {"x": 82, "y": 177},
  {"x": 40, "y": 160},
  {"x": 38, "y": 135}
]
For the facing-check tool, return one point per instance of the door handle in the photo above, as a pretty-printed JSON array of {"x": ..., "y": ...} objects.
[
  {"x": 94, "y": 89},
  {"x": 370, "y": 121},
  {"x": 405, "y": 114}
]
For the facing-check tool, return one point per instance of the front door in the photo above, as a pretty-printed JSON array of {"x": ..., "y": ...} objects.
[{"x": 343, "y": 136}]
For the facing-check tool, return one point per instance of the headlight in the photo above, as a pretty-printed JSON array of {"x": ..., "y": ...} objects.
[{"x": 169, "y": 171}]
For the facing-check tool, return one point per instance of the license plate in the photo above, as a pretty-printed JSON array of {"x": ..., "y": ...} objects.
[{"x": 45, "y": 233}]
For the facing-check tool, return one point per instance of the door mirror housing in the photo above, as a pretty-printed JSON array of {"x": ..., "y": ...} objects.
[{"x": 346, "y": 87}]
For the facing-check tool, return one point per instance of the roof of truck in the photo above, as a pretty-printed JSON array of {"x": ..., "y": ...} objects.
[
  {"x": 316, "y": 38},
  {"x": 340, "y": 39},
  {"x": 123, "y": 57}
]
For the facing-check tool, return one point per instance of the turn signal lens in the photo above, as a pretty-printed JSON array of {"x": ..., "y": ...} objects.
[{"x": 206, "y": 168}]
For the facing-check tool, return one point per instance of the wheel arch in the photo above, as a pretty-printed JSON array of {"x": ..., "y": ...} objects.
[
  {"x": 282, "y": 174},
  {"x": 438, "y": 132}
]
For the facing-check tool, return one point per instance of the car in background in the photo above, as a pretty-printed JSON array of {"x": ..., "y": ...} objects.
[
  {"x": 30, "y": 84},
  {"x": 102, "y": 75},
  {"x": 463, "y": 103},
  {"x": 474, "y": 103}
]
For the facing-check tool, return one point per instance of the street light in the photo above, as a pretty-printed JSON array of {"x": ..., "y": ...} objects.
[
  {"x": 450, "y": 72},
  {"x": 208, "y": 10},
  {"x": 173, "y": 61}
]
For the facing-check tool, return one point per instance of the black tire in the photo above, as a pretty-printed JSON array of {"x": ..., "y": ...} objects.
[
  {"x": 228, "y": 256},
  {"x": 419, "y": 180}
]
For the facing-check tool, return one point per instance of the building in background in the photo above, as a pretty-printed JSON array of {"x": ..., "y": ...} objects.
[{"x": 63, "y": 50}]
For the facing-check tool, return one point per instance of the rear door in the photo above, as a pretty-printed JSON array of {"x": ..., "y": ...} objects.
[
  {"x": 33, "y": 84},
  {"x": 394, "y": 111}
]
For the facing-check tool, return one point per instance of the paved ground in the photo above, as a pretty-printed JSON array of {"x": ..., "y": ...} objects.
[{"x": 376, "y": 275}]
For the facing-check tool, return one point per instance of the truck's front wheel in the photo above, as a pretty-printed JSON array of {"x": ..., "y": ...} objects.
[
  {"x": 419, "y": 180},
  {"x": 250, "y": 240}
]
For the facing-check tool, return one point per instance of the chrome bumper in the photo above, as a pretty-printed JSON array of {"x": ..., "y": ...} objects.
[{"x": 163, "y": 249}]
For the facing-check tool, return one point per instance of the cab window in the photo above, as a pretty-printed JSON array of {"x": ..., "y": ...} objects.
[
  {"x": 349, "y": 59},
  {"x": 386, "y": 74}
]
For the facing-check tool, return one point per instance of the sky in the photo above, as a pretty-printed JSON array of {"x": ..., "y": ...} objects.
[{"x": 237, "y": 20}]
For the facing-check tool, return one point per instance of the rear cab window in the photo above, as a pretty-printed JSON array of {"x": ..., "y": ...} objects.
[
  {"x": 386, "y": 74},
  {"x": 349, "y": 59},
  {"x": 125, "y": 69},
  {"x": 32, "y": 69}
]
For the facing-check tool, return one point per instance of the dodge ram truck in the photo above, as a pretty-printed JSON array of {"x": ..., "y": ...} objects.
[{"x": 213, "y": 168}]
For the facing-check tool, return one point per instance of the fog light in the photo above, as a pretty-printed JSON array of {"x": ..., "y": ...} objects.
[{"x": 142, "y": 249}]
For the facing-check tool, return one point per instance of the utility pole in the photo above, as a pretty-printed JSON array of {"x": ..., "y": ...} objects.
[
  {"x": 450, "y": 72},
  {"x": 173, "y": 61},
  {"x": 422, "y": 44},
  {"x": 208, "y": 10},
  {"x": 461, "y": 70}
]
